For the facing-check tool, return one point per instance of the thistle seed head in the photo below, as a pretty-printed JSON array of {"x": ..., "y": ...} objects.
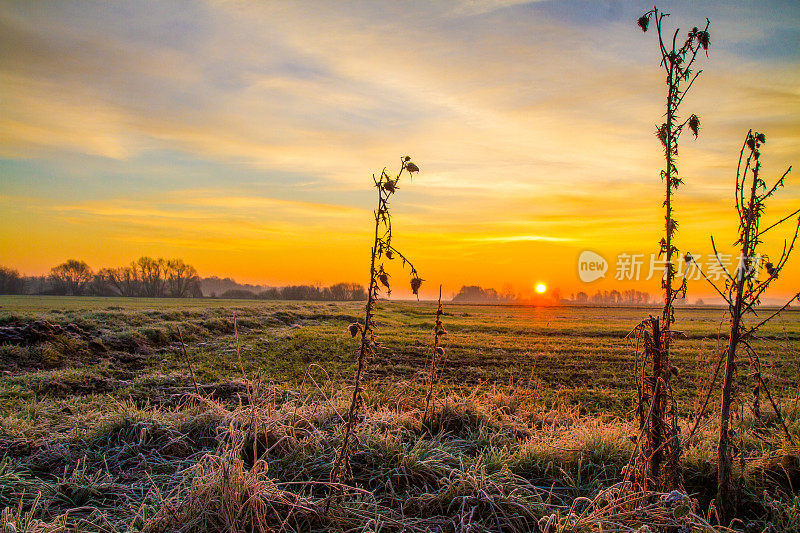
[
  {"x": 703, "y": 38},
  {"x": 416, "y": 283},
  {"x": 661, "y": 133},
  {"x": 439, "y": 351},
  {"x": 643, "y": 22},
  {"x": 354, "y": 329},
  {"x": 694, "y": 125}
]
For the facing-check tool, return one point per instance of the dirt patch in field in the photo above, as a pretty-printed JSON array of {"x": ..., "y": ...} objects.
[
  {"x": 131, "y": 344},
  {"x": 124, "y": 362},
  {"x": 37, "y": 331},
  {"x": 42, "y": 345},
  {"x": 81, "y": 386},
  {"x": 176, "y": 393}
]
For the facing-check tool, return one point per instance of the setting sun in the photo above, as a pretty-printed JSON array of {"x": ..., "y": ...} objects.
[{"x": 540, "y": 288}]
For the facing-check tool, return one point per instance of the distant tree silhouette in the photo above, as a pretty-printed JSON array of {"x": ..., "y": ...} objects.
[
  {"x": 273, "y": 293},
  {"x": 181, "y": 279},
  {"x": 10, "y": 281},
  {"x": 340, "y": 292},
  {"x": 343, "y": 292},
  {"x": 151, "y": 274},
  {"x": 150, "y": 277},
  {"x": 71, "y": 277},
  {"x": 476, "y": 294},
  {"x": 120, "y": 281},
  {"x": 614, "y": 297},
  {"x": 237, "y": 294}
]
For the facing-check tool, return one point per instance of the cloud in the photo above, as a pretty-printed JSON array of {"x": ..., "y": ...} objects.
[
  {"x": 532, "y": 122},
  {"x": 523, "y": 93},
  {"x": 519, "y": 238}
]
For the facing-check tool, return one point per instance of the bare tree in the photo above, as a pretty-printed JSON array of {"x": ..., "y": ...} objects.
[
  {"x": 71, "y": 277},
  {"x": 151, "y": 275},
  {"x": 10, "y": 281},
  {"x": 122, "y": 280},
  {"x": 180, "y": 278}
]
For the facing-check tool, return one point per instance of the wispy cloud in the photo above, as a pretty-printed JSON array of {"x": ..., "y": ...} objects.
[{"x": 519, "y": 238}]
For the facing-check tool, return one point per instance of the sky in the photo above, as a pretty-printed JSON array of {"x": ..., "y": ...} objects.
[{"x": 243, "y": 136}]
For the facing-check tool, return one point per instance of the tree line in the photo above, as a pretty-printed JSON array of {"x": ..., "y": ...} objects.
[
  {"x": 340, "y": 292},
  {"x": 149, "y": 277},
  {"x": 144, "y": 277},
  {"x": 477, "y": 294},
  {"x": 614, "y": 297}
]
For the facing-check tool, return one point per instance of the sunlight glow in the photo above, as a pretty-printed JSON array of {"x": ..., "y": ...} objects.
[{"x": 540, "y": 288}]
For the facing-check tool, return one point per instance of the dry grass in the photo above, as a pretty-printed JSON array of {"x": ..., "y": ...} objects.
[
  {"x": 474, "y": 469},
  {"x": 97, "y": 450},
  {"x": 493, "y": 460}
]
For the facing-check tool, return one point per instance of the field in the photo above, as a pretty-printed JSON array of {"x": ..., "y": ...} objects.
[{"x": 106, "y": 430}]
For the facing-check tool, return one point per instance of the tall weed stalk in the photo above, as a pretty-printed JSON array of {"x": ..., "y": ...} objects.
[
  {"x": 742, "y": 292},
  {"x": 435, "y": 362},
  {"x": 660, "y": 445},
  {"x": 382, "y": 251}
]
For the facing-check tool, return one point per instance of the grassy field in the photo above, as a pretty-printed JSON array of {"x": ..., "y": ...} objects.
[{"x": 101, "y": 419}]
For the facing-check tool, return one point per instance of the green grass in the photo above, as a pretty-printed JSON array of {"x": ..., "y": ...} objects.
[
  {"x": 533, "y": 412},
  {"x": 38, "y": 304}
]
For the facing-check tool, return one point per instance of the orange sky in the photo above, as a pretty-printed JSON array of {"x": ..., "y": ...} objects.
[{"x": 241, "y": 136}]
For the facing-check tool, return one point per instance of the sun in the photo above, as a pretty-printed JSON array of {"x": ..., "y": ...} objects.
[{"x": 541, "y": 288}]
